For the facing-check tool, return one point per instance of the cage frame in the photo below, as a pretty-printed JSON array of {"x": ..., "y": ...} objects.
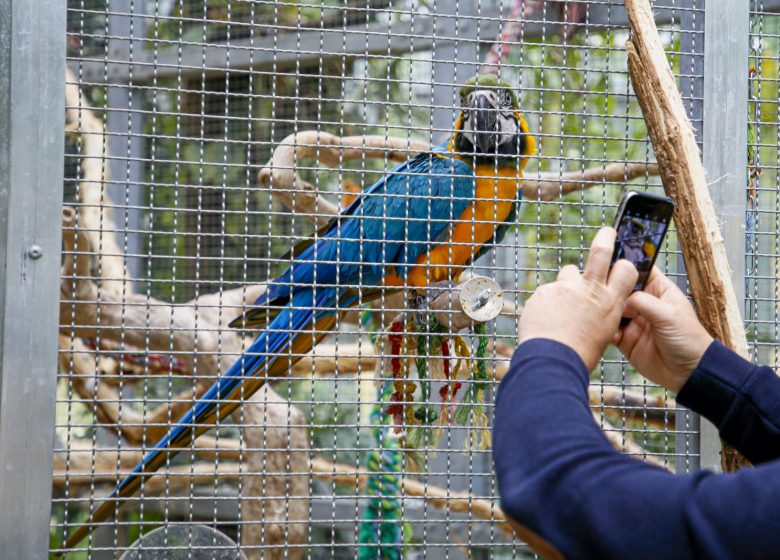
[
  {"x": 32, "y": 128},
  {"x": 31, "y": 177}
]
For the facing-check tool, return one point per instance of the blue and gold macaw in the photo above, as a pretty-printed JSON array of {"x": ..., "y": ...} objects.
[{"x": 423, "y": 222}]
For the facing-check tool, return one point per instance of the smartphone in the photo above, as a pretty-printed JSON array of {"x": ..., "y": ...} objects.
[{"x": 641, "y": 223}]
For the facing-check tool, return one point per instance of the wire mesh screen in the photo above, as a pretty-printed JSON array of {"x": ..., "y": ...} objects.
[
  {"x": 210, "y": 146},
  {"x": 761, "y": 245}
]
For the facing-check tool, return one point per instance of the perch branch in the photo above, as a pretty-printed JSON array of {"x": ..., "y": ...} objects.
[
  {"x": 460, "y": 502},
  {"x": 549, "y": 186},
  {"x": 79, "y": 474},
  {"x": 280, "y": 177},
  {"x": 684, "y": 180},
  {"x": 277, "y": 443},
  {"x": 623, "y": 442},
  {"x": 96, "y": 213},
  {"x": 194, "y": 331},
  {"x": 103, "y": 400}
]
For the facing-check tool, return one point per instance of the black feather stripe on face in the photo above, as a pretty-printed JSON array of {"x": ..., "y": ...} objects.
[{"x": 504, "y": 154}]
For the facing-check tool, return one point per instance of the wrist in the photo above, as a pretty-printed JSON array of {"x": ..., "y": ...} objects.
[
  {"x": 585, "y": 351},
  {"x": 697, "y": 351},
  {"x": 699, "y": 345}
]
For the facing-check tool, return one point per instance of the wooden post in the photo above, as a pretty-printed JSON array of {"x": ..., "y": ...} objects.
[{"x": 683, "y": 178}]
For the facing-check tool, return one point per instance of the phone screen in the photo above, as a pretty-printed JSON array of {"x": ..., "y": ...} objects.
[{"x": 640, "y": 232}]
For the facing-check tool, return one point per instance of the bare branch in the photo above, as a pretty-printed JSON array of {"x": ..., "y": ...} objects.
[
  {"x": 684, "y": 179},
  {"x": 550, "y": 186},
  {"x": 96, "y": 214},
  {"x": 194, "y": 332},
  {"x": 275, "y": 448},
  {"x": 280, "y": 176}
]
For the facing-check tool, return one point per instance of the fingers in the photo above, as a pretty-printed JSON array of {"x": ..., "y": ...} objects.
[
  {"x": 568, "y": 272},
  {"x": 623, "y": 277},
  {"x": 627, "y": 338},
  {"x": 658, "y": 284},
  {"x": 600, "y": 257},
  {"x": 649, "y": 307}
]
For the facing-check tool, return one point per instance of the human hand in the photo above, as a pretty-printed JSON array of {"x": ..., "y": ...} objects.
[
  {"x": 664, "y": 341},
  {"x": 582, "y": 311}
]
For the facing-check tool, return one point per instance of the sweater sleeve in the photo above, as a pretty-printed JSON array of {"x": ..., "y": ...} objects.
[
  {"x": 558, "y": 476},
  {"x": 740, "y": 398}
]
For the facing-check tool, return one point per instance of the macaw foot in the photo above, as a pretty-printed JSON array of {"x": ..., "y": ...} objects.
[{"x": 421, "y": 304}]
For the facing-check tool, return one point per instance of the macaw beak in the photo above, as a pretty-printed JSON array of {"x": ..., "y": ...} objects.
[{"x": 485, "y": 121}]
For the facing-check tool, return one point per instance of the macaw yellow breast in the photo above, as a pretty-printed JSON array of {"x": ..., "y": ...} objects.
[{"x": 495, "y": 195}]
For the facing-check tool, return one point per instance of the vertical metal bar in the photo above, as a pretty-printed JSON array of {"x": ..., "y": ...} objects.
[
  {"x": 125, "y": 126},
  {"x": 456, "y": 58},
  {"x": 687, "y": 423},
  {"x": 32, "y": 108},
  {"x": 726, "y": 51}
]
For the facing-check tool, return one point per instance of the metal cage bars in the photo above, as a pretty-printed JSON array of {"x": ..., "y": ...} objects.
[{"x": 31, "y": 215}]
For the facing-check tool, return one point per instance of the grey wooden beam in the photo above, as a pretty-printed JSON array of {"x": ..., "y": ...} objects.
[
  {"x": 285, "y": 48},
  {"x": 125, "y": 127}
]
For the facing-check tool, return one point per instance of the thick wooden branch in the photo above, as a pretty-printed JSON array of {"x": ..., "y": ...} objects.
[
  {"x": 96, "y": 212},
  {"x": 550, "y": 186},
  {"x": 195, "y": 332},
  {"x": 173, "y": 479},
  {"x": 276, "y": 448},
  {"x": 280, "y": 177},
  {"x": 684, "y": 180}
]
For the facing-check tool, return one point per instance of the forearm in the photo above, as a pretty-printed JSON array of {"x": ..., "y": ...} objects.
[
  {"x": 559, "y": 476},
  {"x": 740, "y": 398}
]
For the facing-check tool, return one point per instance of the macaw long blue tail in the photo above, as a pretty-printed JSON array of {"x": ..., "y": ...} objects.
[{"x": 291, "y": 334}]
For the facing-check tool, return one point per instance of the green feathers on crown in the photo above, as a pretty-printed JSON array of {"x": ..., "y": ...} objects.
[{"x": 488, "y": 81}]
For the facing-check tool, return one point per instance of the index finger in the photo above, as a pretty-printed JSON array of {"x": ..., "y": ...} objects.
[
  {"x": 623, "y": 277},
  {"x": 600, "y": 257}
]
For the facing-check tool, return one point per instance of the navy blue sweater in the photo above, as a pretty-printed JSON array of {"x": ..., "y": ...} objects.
[{"x": 559, "y": 477}]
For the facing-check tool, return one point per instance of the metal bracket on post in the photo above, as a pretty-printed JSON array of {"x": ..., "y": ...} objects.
[
  {"x": 32, "y": 136},
  {"x": 726, "y": 55}
]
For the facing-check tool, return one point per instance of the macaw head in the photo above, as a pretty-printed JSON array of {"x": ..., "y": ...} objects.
[{"x": 490, "y": 124}]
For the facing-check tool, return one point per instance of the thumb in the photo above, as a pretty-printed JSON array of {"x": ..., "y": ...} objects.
[{"x": 649, "y": 307}]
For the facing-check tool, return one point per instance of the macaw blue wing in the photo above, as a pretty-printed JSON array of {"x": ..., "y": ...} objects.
[{"x": 389, "y": 225}]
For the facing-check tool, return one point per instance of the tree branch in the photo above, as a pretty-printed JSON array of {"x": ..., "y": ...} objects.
[
  {"x": 281, "y": 179},
  {"x": 683, "y": 174},
  {"x": 96, "y": 212}
]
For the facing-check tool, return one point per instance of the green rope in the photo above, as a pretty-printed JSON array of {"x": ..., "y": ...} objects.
[
  {"x": 382, "y": 533},
  {"x": 471, "y": 403},
  {"x": 481, "y": 378},
  {"x": 426, "y": 412},
  {"x": 424, "y": 435}
]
